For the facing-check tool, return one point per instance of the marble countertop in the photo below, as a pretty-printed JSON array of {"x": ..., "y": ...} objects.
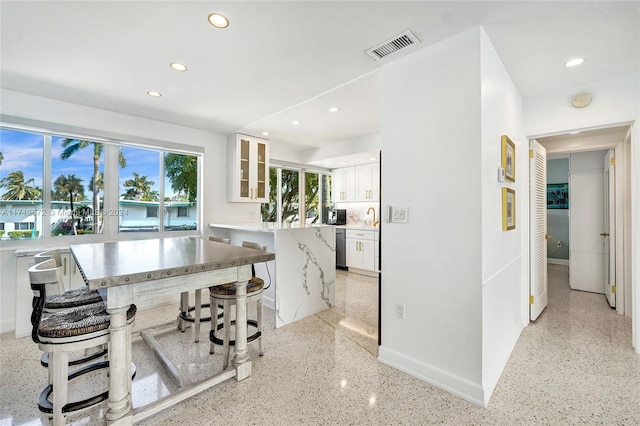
[
  {"x": 262, "y": 226},
  {"x": 273, "y": 226}
]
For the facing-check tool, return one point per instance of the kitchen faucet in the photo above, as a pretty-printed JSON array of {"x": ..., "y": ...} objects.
[{"x": 375, "y": 222}]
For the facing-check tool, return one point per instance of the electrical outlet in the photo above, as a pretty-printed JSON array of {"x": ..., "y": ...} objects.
[{"x": 400, "y": 310}]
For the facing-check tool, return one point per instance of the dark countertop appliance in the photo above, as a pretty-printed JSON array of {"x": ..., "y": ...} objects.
[{"x": 337, "y": 217}]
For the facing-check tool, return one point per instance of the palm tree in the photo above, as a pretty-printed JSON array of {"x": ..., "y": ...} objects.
[
  {"x": 70, "y": 185},
  {"x": 139, "y": 188},
  {"x": 71, "y": 146},
  {"x": 18, "y": 188}
]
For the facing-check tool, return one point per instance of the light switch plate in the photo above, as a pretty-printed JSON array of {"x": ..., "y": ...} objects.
[{"x": 400, "y": 214}]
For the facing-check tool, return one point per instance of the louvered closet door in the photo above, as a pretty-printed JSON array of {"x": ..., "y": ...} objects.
[{"x": 538, "y": 232}]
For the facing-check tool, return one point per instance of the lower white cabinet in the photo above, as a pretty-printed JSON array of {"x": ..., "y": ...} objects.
[{"x": 361, "y": 249}]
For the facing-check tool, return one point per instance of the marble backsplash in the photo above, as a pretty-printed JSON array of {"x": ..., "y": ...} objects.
[{"x": 357, "y": 213}]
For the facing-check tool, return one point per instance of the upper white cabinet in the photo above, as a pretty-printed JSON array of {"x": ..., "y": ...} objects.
[
  {"x": 248, "y": 162},
  {"x": 344, "y": 185},
  {"x": 359, "y": 183},
  {"x": 368, "y": 182}
]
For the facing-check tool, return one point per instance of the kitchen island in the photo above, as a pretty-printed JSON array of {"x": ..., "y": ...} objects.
[{"x": 303, "y": 274}]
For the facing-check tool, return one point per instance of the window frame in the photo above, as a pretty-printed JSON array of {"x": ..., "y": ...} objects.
[{"x": 110, "y": 202}]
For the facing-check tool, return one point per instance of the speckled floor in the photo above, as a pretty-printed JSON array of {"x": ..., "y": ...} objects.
[{"x": 575, "y": 365}]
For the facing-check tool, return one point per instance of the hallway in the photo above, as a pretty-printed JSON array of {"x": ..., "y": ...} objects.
[{"x": 575, "y": 365}]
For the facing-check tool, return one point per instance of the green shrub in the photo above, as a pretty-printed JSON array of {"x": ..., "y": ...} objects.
[{"x": 21, "y": 235}]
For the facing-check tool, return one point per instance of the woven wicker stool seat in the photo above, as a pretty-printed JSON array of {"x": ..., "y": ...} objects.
[
  {"x": 82, "y": 321},
  {"x": 72, "y": 299},
  {"x": 63, "y": 332},
  {"x": 225, "y": 295},
  {"x": 229, "y": 289}
]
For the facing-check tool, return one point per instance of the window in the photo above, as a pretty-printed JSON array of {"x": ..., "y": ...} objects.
[
  {"x": 23, "y": 226},
  {"x": 77, "y": 170},
  {"x": 155, "y": 187},
  {"x": 312, "y": 197},
  {"x": 287, "y": 208},
  {"x": 21, "y": 180},
  {"x": 152, "y": 211}
]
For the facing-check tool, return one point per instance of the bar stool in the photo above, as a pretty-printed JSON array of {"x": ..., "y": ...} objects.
[
  {"x": 62, "y": 332},
  {"x": 225, "y": 294},
  {"x": 184, "y": 315},
  {"x": 66, "y": 300}
]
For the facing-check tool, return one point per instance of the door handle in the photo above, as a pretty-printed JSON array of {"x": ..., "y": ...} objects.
[
  {"x": 547, "y": 236},
  {"x": 604, "y": 234}
]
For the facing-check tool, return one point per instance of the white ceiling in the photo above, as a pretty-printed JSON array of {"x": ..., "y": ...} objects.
[{"x": 284, "y": 61}]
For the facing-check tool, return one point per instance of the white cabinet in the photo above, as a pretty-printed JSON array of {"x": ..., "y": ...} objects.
[
  {"x": 361, "y": 249},
  {"x": 367, "y": 182},
  {"x": 248, "y": 162},
  {"x": 344, "y": 184},
  {"x": 24, "y": 259},
  {"x": 359, "y": 183}
]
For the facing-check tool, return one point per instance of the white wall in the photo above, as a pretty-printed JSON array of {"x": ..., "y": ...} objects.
[
  {"x": 503, "y": 283},
  {"x": 433, "y": 264},
  {"x": 66, "y": 117},
  {"x": 369, "y": 143}
]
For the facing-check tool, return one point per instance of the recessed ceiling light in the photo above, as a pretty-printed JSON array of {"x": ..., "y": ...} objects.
[
  {"x": 178, "y": 66},
  {"x": 344, "y": 163},
  {"x": 154, "y": 93},
  {"x": 265, "y": 133},
  {"x": 574, "y": 133},
  {"x": 573, "y": 62},
  {"x": 218, "y": 21},
  {"x": 295, "y": 123},
  {"x": 333, "y": 109},
  {"x": 373, "y": 159}
]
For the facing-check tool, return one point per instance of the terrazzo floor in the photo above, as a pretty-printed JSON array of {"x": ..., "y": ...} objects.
[{"x": 575, "y": 365}]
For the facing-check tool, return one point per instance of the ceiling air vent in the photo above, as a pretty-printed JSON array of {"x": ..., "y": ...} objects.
[{"x": 386, "y": 48}]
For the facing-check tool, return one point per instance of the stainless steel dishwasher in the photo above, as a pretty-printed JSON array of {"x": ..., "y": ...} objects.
[{"x": 341, "y": 248}]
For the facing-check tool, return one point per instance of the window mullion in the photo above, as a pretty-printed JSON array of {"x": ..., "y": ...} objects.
[
  {"x": 110, "y": 204},
  {"x": 47, "y": 210},
  {"x": 161, "y": 196}
]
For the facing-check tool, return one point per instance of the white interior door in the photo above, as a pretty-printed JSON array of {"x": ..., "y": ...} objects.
[
  {"x": 586, "y": 201},
  {"x": 538, "y": 231},
  {"x": 608, "y": 233}
]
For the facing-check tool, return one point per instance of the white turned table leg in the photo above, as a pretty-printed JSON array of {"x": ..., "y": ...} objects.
[
  {"x": 119, "y": 404},
  {"x": 241, "y": 357}
]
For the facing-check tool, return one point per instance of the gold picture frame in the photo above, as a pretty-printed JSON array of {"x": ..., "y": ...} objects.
[
  {"x": 508, "y": 158},
  {"x": 508, "y": 209}
]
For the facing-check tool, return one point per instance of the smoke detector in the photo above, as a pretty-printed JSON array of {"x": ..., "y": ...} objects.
[
  {"x": 581, "y": 100},
  {"x": 393, "y": 45}
]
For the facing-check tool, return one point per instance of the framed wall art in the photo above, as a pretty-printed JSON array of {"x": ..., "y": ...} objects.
[
  {"x": 508, "y": 163},
  {"x": 557, "y": 195},
  {"x": 508, "y": 209}
]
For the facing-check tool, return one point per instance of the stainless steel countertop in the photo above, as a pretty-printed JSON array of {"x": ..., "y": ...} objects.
[{"x": 109, "y": 264}]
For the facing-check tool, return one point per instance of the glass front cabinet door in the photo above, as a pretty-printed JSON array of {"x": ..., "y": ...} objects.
[{"x": 249, "y": 169}]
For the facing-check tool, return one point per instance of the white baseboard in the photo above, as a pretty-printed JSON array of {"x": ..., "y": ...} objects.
[
  {"x": 452, "y": 383},
  {"x": 557, "y": 261}
]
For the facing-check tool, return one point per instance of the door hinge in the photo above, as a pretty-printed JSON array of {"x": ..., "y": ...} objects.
[
  {"x": 531, "y": 153},
  {"x": 613, "y": 289},
  {"x": 613, "y": 161},
  {"x": 531, "y": 300}
]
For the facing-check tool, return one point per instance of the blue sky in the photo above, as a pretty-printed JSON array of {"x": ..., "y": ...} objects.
[{"x": 23, "y": 151}]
